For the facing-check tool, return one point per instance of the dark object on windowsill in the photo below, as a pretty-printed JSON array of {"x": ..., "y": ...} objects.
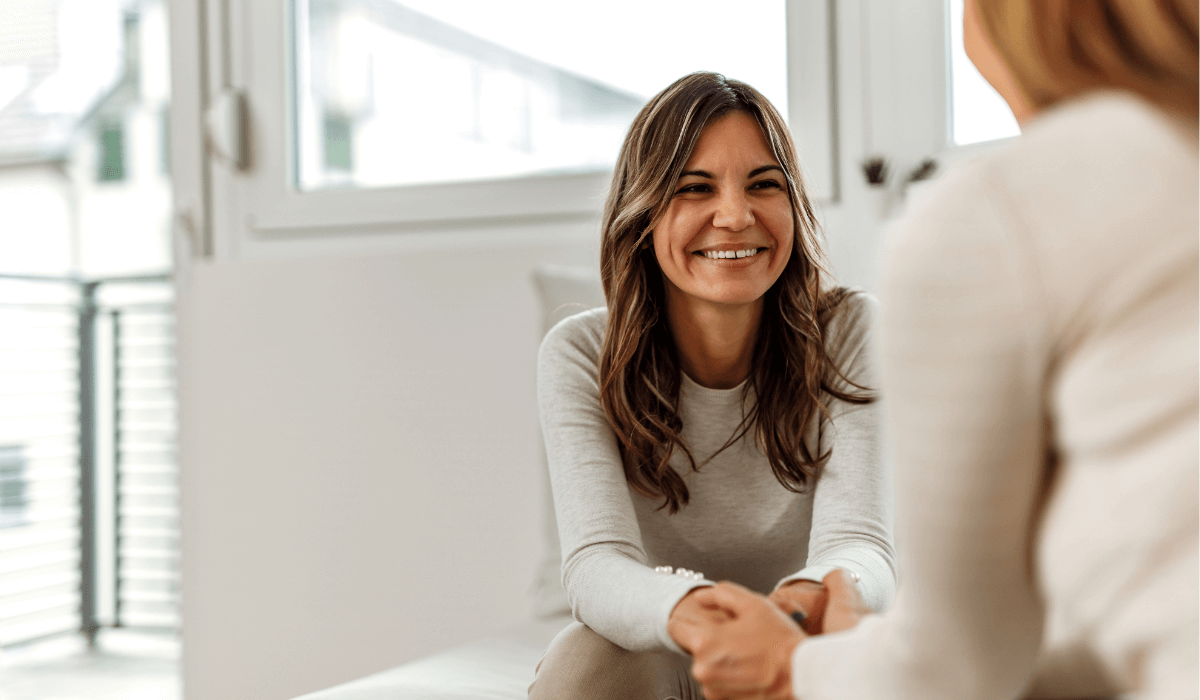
[
  {"x": 876, "y": 171},
  {"x": 924, "y": 171}
]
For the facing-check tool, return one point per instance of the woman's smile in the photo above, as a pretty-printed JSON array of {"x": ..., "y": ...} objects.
[{"x": 729, "y": 254}]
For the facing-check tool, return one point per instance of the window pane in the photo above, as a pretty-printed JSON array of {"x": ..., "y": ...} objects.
[
  {"x": 978, "y": 111},
  {"x": 393, "y": 92}
]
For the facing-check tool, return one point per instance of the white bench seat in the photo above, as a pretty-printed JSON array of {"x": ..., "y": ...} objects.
[{"x": 496, "y": 668}]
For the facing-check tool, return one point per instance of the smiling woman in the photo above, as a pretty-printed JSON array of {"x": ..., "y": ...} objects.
[
  {"x": 690, "y": 426},
  {"x": 731, "y": 181}
]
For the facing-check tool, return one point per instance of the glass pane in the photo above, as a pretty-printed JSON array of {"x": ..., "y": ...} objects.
[
  {"x": 394, "y": 92},
  {"x": 978, "y": 112}
]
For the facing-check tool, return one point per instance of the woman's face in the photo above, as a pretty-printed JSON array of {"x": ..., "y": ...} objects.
[{"x": 730, "y": 200}]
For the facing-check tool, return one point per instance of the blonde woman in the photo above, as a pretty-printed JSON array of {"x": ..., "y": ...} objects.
[
  {"x": 1040, "y": 347},
  {"x": 715, "y": 422}
]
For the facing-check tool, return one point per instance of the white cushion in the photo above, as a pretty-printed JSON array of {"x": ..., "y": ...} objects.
[{"x": 563, "y": 291}]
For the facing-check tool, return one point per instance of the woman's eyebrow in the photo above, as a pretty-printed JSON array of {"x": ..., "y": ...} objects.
[
  {"x": 753, "y": 173},
  {"x": 762, "y": 169}
]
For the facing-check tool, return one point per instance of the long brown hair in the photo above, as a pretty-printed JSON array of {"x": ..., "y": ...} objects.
[
  {"x": 1059, "y": 49},
  {"x": 640, "y": 374}
]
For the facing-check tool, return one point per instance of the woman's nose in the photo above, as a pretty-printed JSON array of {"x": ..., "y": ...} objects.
[{"x": 733, "y": 212}]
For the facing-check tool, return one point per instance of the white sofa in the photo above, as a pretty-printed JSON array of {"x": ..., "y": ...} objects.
[{"x": 499, "y": 667}]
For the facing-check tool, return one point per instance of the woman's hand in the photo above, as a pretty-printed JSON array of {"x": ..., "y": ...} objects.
[
  {"x": 691, "y": 620},
  {"x": 813, "y": 599},
  {"x": 845, "y": 606},
  {"x": 749, "y": 654},
  {"x": 808, "y": 597}
]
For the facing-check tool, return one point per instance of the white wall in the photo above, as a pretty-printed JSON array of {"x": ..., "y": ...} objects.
[{"x": 361, "y": 483}]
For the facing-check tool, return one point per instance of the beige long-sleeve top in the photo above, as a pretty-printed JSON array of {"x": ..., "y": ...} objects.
[
  {"x": 1040, "y": 350},
  {"x": 741, "y": 524}
]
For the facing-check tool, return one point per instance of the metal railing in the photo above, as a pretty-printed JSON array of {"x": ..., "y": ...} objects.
[{"x": 88, "y": 494}]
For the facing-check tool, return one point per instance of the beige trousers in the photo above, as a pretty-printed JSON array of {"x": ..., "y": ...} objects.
[{"x": 581, "y": 665}]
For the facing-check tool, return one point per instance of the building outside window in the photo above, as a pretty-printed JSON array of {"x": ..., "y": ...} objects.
[{"x": 88, "y": 514}]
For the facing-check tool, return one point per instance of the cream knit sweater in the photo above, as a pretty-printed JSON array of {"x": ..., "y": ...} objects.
[{"x": 1040, "y": 350}]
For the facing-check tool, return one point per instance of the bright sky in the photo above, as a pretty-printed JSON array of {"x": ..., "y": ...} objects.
[
  {"x": 12, "y": 81},
  {"x": 637, "y": 45},
  {"x": 91, "y": 53}
]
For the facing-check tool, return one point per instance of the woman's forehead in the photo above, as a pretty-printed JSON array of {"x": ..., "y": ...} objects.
[{"x": 732, "y": 140}]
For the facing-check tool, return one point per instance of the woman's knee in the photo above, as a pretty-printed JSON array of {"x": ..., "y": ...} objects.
[{"x": 582, "y": 664}]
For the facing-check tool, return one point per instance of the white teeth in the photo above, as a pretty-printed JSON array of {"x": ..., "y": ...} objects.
[{"x": 723, "y": 254}]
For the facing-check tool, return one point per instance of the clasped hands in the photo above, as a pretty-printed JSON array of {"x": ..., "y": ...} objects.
[{"x": 742, "y": 643}]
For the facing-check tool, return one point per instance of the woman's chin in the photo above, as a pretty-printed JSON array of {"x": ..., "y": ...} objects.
[{"x": 733, "y": 298}]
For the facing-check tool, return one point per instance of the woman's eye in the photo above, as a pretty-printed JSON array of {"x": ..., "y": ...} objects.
[
  {"x": 698, "y": 187},
  {"x": 766, "y": 184}
]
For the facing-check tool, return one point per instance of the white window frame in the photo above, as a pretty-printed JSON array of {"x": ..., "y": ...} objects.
[
  {"x": 907, "y": 87},
  {"x": 954, "y": 152},
  {"x": 906, "y": 93},
  {"x": 282, "y": 208},
  {"x": 245, "y": 46}
]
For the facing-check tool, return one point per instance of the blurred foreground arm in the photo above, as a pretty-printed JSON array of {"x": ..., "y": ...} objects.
[{"x": 963, "y": 350}]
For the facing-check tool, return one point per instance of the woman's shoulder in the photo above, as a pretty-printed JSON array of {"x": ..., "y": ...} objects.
[
  {"x": 1077, "y": 162},
  {"x": 851, "y": 325},
  {"x": 578, "y": 337},
  {"x": 1110, "y": 127},
  {"x": 854, "y": 315},
  {"x": 1086, "y": 154},
  {"x": 1092, "y": 192}
]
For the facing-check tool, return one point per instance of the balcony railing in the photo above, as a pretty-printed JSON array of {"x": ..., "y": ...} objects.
[{"x": 89, "y": 526}]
